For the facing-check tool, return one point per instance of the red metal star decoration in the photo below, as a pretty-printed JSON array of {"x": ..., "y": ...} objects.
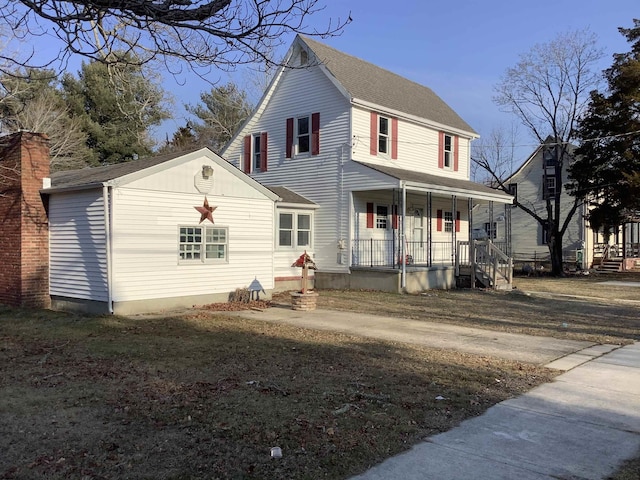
[{"x": 206, "y": 212}]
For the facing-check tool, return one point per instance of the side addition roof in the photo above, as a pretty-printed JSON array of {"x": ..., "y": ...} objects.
[{"x": 372, "y": 84}]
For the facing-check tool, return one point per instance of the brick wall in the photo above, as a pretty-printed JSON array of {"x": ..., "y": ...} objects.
[{"x": 24, "y": 231}]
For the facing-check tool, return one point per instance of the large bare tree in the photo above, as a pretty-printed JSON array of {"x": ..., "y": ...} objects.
[
  {"x": 547, "y": 90},
  {"x": 202, "y": 33}
]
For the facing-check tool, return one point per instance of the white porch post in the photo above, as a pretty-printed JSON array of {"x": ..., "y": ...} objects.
[{"x": 403, "y": 280}]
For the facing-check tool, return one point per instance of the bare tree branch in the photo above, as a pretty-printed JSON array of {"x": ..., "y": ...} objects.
[{"x": 202, "y": 33}]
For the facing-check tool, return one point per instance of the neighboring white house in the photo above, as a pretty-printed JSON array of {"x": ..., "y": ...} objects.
[
  {"x": 531, "y": 185},
  {"x": 384, "y": 158},
  {"x": 160, "y": 232}
]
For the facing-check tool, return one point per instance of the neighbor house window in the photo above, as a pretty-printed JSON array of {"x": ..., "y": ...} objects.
[
  {"x": 512, "y": 189},
  {"x": 382, "y": 213},
  {"x": 202, "y": 244},
  {"x": 303, "y": 134},
  {"x": 544, "y": 238},
  {"x": 549, "y": 185},
  {"x": 491, "y": 229},
  {"x": 549, "y": 157},
  {"x": 294, "y": 230}
]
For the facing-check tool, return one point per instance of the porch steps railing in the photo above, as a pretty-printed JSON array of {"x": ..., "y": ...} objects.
[
  {"x": 492, "y": 267},
  {"x": 610, "y": 265}
]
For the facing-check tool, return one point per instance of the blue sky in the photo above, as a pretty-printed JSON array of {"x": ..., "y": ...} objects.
[{"x": 460, "y": 49}]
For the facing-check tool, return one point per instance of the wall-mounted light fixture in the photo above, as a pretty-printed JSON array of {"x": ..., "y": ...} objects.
[{"x": 207, "y": 171}]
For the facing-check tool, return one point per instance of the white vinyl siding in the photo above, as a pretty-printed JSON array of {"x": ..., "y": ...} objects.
[
  {"x": 78, "y": 262},
  {"x": 306, "y": 175},
  {"x": 145, "y": 246},
  {"x": 417, "y": 147}
]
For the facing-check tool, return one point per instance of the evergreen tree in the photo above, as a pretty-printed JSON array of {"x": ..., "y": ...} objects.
[
  {"x": 608, "y": 171},
  {"x": 222, "y": 111},
  {"x": 117, "y": 105}
]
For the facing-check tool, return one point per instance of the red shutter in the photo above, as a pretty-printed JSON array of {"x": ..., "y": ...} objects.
[
  {"x": 247, "y": 154},
  {"x": 315, "y": 134},
  {"x": 374, "y": 134},
  {"x": 369, "y": 215},
  {"x": 439, "y": 220},
  {"x": 394, "y": 139},
  {"x": 394, "y": 217},
  {"x": 440, "y": 149},
  {"x": 263, "y": 152},
  {"x": 455, "y": 153},
  {"x": 289, "y": 148},
  {"x": 457, "y": 221}
]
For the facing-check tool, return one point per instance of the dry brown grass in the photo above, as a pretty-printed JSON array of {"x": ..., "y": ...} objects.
[
  {"x": 206, "y": 396},
  {"x": 577, "y": 308}
]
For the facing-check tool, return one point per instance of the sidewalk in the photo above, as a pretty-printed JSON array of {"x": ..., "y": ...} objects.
[{"x": 583, "y": 425}]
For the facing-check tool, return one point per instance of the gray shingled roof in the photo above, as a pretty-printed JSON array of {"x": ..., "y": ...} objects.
[
  {"x": 289, "y": 196},
  {"x": 428, "y": 179},
  {"x": 365, "y": 81},
  {"x": 99, "y": 175}
]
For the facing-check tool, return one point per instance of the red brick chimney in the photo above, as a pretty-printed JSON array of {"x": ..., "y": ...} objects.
[{"x": 24, "y": 228}]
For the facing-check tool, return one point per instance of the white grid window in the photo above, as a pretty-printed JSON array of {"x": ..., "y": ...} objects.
[
  {"x": 448, "y": 152},
  {"x": 382, "y": 213},
  {"x": 448, "y": 222},
  {"x": 383, "y": 135},
  {"x": 294, "y": 230},
  {"x": 200, "y": 244}
]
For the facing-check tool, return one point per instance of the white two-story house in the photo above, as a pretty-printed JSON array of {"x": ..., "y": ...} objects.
[{"x": 381, "y": 166}]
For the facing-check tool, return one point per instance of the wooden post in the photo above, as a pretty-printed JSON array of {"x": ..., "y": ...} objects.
[{"x": 305, "y": 274}]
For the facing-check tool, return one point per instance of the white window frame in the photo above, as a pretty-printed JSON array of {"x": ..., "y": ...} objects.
[
  {"x": 196, "y": 236},
  {"x": 299, "y": 135},
  {"x": 447, "y": 220},
  {"x": 296, "y": 229},
  {"x": 381, "y": 220},
  {"x": 549, "y": 186},
  {"x": 448, "y": 152},
  {"x": 256, "y": 138},
  {"x": 386, "y": 137}
]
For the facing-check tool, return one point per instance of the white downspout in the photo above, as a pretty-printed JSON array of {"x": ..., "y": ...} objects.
[
  {"x": 403, "y": 258},
  {"x": 107, "y": 241}
]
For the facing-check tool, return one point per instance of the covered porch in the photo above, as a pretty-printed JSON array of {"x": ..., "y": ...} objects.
[{"x": 417, "y": 235}]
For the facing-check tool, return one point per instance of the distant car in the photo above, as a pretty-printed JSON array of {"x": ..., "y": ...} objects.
[{"x": 479, "y": 234}]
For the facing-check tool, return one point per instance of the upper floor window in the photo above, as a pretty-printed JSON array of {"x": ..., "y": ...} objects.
[
  {"x": 549, "y": 156},
  {"x": 448, "y": 151},
  {"x": 202, "y": 244},
  {"x": 303, "y": 134},
  {"x": 549, "y": 187},
  {"x": 512, "y": 189},
  {"x": 544, "y": 237},
  {"x": 383, "y": 135},
  {"x": 256, "y": 153},
  {"x": 294, "y": 230}
]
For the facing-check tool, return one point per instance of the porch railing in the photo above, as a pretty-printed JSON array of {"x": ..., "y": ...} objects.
[
  {"x": 387, "y": 253},
  {"x": 492, "y": 265}
]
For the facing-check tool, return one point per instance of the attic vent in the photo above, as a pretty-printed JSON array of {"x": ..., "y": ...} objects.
[{"x": 304, "y": 57}]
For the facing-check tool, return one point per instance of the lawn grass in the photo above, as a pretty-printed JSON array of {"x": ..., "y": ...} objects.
[
  {"x": 542, "y": 306},
  {"x": 205, "y": 395}
]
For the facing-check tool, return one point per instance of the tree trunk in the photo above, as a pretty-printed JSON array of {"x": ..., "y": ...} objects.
[{"x": 555, "y": 251}]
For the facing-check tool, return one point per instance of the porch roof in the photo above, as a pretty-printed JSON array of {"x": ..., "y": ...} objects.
[{"x": 419, "y": 181}]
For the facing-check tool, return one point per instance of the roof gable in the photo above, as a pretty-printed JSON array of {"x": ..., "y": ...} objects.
[
  {"x": 124, "y": 173},
  {"x": 372, "y": 84}
]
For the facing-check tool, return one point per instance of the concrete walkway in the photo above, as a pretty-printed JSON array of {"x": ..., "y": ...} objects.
[
  {"x": 583, "y": 425},
  {"x": 511, "y": 346}
]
